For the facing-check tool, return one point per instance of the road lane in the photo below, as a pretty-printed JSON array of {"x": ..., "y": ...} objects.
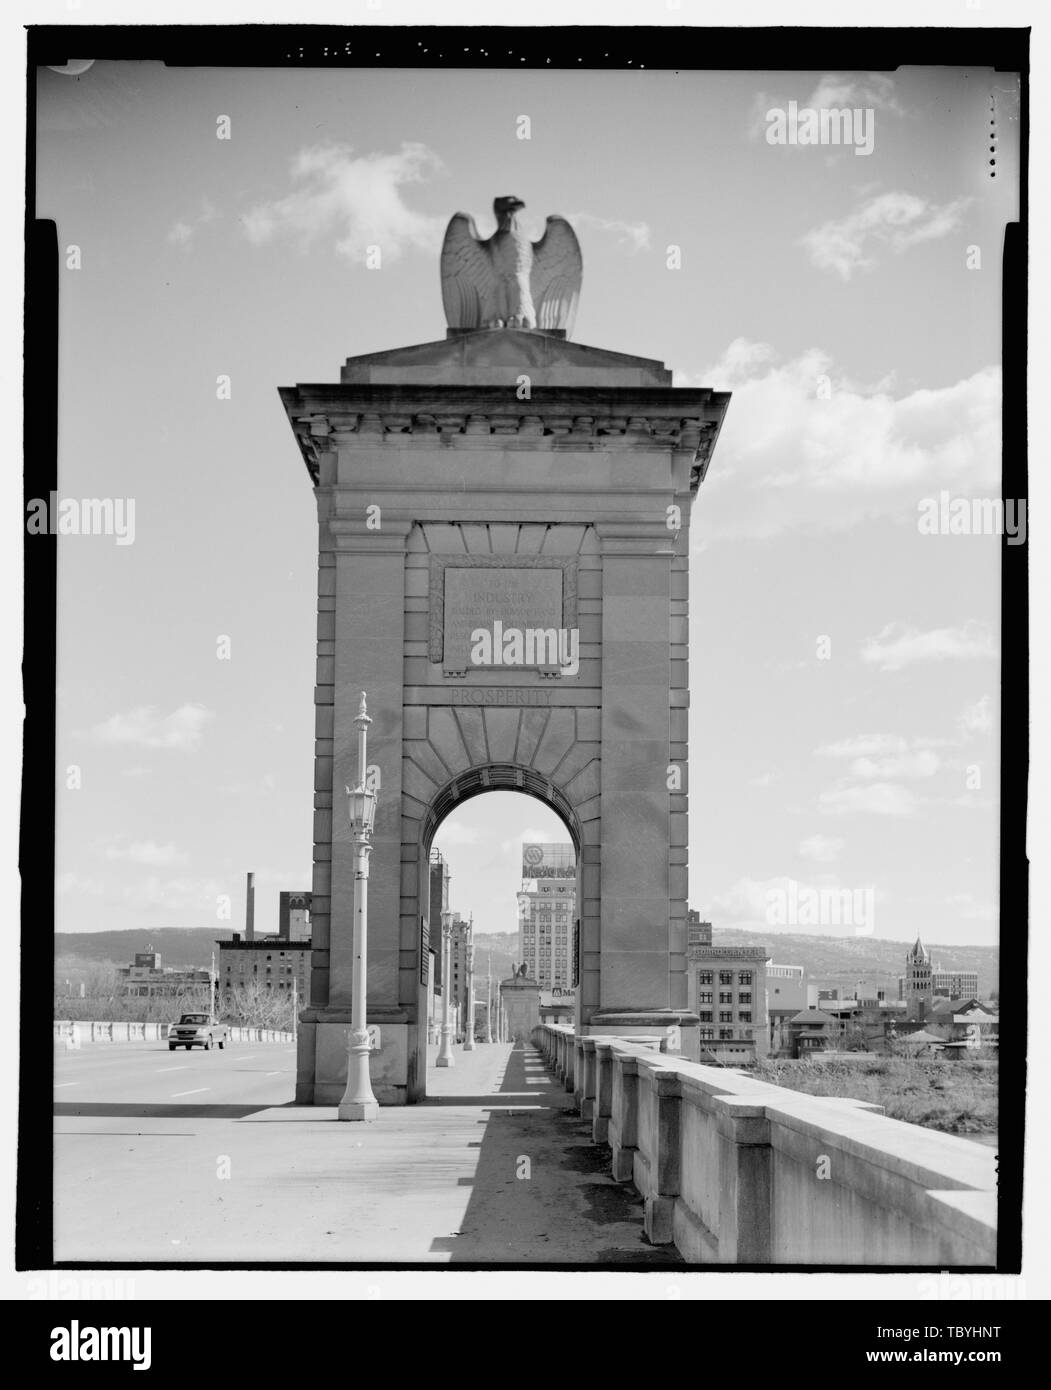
[{"x": 140, "y": 1073}]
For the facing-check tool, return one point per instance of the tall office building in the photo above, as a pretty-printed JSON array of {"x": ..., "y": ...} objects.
[{"x": 547, "y": 914}]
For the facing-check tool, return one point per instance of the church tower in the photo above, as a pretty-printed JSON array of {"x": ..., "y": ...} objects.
[{"x": 918, "y": 972}]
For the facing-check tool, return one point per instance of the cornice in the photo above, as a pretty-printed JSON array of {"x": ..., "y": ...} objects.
[{"x": 532, "y": 427}]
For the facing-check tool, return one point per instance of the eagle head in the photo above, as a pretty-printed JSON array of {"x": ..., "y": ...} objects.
[{"x": 507, "y": 205}]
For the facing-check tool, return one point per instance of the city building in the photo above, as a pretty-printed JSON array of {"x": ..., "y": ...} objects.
[
  {"x": 916, "y": 982},
  {"x": 786, "y": 994},
  {"x": 462, "y": 959},
  {"x": 271, "y": 962},
  {"x": 558, "y": 1006},
  {"x": 964, "y": 1023},
  {"x": 727, "y": 988},
  {"x": 922, "y": 980},
  {"x": 293, "y": 916},
  {"x": 954, "y": 984},
  {"x": 147, "y": 979},
  {"x": 547, "y": 914},
  {"x": 280, "y": 962},
  {"x": 813, "y": 1030}
]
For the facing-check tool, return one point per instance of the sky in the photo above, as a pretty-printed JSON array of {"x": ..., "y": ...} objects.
[{"x": 844, "y": 665}]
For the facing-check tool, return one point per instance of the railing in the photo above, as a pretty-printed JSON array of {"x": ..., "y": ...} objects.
[
  {"x": 73, "y": 1033},
  {"x": 736, "y": 1171}
]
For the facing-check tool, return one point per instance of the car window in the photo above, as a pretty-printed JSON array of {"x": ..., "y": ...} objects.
[{"x": 194, "y": 1018}]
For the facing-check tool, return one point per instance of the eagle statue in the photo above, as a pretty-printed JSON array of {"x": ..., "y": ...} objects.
[{"x": 509, "y": 281}]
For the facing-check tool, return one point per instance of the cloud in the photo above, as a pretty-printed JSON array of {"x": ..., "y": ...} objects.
[
  {"x": 79, "y": 886},
  {"x": 148, "y": 852},
  {"x": 975, "y": 909},
  {"x": 636, "y": 235},
  {"x": 175, "y": 894},
  {"x": 875, "y": 798},
  {"x": 182, "y": 232},
  {"x": 922, "y": 763},
  {"x": 355, "y": 199},
  {"x": 790, "y": 458},
  {"x": 455, "y": 834},
  {"x": 822, "y": 849},
  {"x": 868, "y": 89},
  {"x": 864, "y": 746},
  {"x": 145, "y": 727},
  {"x": 898, "y": 645},
  {"x": 895, "y": 220}
]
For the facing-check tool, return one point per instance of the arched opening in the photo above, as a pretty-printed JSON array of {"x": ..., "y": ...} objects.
[{"x": 502, "y": 913}]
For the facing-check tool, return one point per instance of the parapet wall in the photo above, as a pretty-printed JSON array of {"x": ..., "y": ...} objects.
[
  {"x": 73, "y": 1033},
  {"x": 736, "y": 1171}
]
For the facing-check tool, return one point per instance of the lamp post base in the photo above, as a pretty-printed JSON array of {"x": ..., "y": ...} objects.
[
  {"x": 359, "y": 1110},
  {"x": 445, "y": 1057},
  {"x": 358, "y": 1102}
]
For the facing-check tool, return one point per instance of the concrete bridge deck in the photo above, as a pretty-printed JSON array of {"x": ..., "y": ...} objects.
[{"x": 143, "y": 1138}]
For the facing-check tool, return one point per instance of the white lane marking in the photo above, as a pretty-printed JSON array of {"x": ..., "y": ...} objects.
[
  {"x": 172, "y": 1068},
  {"x": 196, "y": 1092},
  {"x": 60, "y": 1084}
]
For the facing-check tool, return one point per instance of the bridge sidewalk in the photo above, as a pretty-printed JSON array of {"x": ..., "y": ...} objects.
[{"x": 490, "y": 1169}]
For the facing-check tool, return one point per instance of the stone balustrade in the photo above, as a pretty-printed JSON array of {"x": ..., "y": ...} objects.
[{"x": 733, "y": 1170}]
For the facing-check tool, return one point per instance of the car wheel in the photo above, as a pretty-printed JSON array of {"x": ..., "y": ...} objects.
[
  {"x": 221, "y": 1046},
  {"x": 171, "y": 1047}
]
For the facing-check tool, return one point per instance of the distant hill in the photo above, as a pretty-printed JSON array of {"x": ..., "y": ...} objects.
[
  {"x": 182, "y": 948},
  {"x": 504, "y": 948},
  {"x": 835, "y": 960}
]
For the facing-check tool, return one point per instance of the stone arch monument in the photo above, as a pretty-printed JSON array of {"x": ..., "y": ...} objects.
[{"x": 502, "y": 480}]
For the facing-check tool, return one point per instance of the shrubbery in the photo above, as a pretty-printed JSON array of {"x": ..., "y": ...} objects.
[{"x": 957, "y": 1097}]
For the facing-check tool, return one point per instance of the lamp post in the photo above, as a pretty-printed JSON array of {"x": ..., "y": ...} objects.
[
  {"x": 445, "y": 1056},
  {"x": 358, "y": 1102},
  {"x": 468, "y": 1032},
  {"x": 489, "y": 998}
]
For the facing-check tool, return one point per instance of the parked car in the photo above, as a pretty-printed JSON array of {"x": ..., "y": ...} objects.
[{"x": 197, "y": 1030}]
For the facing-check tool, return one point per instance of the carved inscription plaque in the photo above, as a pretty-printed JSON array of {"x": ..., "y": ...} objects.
[{"x": 482, "y": 597}]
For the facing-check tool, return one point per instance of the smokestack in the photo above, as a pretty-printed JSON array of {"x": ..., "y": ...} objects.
[{"x": 250, "y": 909}]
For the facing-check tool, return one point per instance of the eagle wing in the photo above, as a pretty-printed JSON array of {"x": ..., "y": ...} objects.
[
  {"x": 467, "y": 273},
  {"x": 556, "y": 275}
]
